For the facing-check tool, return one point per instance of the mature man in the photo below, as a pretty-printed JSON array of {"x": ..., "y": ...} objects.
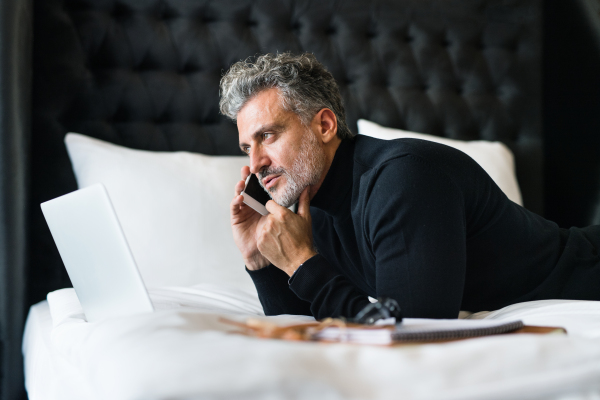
[{"x": 416, "y": 221}]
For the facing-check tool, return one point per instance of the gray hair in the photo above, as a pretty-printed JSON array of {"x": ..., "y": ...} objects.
[{"x": 305, "y": 85}]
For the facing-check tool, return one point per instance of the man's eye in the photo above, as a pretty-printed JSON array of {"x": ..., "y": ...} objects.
[
  {"x": 246, "y": 150},
  {"x": 267, "y": 135}
]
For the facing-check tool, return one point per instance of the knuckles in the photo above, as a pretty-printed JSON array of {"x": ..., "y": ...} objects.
[
  {"x": 260, "y": 241},
  {"x": 285, "y": 217},
  {"x": 260, "y": 246},
  {"x": 269, "y": 224},
  {"x": 264, "y": 232}
]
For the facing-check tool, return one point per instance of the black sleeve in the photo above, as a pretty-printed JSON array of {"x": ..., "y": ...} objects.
[
  {"x": 328, "y": 293},
  {"x": 274, "y": 292},
  {"x": 414, "y": 223}
]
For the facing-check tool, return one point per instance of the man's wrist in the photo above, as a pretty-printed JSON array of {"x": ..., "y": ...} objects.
[
  {"x": 300, "y": 260},
  {"x": 256, "y": 263}
]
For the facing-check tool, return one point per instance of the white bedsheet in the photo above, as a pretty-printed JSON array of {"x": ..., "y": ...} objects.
[{"x": 182, "y": 351}]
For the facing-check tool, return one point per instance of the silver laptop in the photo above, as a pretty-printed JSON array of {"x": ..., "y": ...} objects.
[{"x": 93, "y": 248}]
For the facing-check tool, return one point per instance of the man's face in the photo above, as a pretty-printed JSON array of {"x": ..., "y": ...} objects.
[{"x": 285, "y": 155}]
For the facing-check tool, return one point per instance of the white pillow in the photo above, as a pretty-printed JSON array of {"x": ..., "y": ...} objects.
[
  {"x": 173, "y": 208},
  {"x": 494, "y": 157}
]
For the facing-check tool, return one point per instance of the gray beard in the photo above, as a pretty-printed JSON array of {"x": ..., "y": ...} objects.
[{"x": 306, "y": 170}]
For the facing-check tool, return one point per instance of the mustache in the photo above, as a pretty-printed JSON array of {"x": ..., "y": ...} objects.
[
  {"x": 267, "y": 172},
  {"x": 271, "y": 171}
]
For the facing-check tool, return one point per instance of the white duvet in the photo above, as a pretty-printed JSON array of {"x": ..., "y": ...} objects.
[{"x": 182, "y": 351}]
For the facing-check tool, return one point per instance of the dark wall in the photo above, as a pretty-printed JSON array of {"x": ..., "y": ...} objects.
[
  {"x": 144, "y": 74},
  {"x": 15, "y": 115},
  {"x": 572, "y": 112}
]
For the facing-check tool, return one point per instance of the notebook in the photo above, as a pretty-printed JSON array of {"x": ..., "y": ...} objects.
[{"x": 417, "y": 330}]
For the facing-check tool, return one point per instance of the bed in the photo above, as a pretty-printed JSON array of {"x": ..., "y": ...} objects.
[
  {"x": 183, "y": 351},
  {"x": 137, "y": 81}
]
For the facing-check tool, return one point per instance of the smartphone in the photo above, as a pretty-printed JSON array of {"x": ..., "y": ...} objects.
[{"x": 255, "y": 196}]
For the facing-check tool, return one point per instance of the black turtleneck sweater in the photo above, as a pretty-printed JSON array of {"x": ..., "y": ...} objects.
[{"x": 424, "y": 224}]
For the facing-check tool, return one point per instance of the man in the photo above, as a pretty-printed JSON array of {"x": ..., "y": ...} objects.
[{"x": 416, "y": 221}]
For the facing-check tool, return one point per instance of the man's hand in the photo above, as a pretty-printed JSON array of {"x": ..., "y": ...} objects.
[
  {"x": 244, "y": 222},
  {"x": 285, "y": 238}
]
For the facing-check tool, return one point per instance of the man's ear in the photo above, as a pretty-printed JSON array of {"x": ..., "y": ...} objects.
[{"x": 326, "y": 124}]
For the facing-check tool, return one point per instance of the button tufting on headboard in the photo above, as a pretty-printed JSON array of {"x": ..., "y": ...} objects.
[{"x": 146, "y": 74}]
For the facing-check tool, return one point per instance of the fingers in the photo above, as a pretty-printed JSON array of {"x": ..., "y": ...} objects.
[
  {"x": 236, "y": 203},
  {"x": 245, "y": 172},
  {"x": 239, "y": 187},
  {"x": 260, "y": 225},
  {"x": 261, "y": 232},
  {"x": 275, "y": 208},
  {"x": 304, "y": 204}
]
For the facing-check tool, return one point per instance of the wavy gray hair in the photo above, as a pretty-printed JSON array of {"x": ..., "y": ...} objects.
[{"x": 304, "y": 83}]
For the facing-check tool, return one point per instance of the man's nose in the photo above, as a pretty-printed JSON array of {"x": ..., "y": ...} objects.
[{"x": 258, "y": 160}]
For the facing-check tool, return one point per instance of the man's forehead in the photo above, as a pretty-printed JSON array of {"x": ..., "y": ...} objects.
[
  {"x": 264, "y": 109},
  {"x": 265, "y": 104}
]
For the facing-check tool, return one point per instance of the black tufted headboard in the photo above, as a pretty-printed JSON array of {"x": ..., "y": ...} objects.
[{"x": 145, "y": 74}]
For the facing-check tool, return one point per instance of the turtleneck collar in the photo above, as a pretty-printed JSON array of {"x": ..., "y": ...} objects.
[{"x": 335, "y": 192}]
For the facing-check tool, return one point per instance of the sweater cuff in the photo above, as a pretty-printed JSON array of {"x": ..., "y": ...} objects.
[
  {"x": 310, "y": 279},
  {"x": 274, "y": 293},
  {"x": 266, "y": 277}
]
